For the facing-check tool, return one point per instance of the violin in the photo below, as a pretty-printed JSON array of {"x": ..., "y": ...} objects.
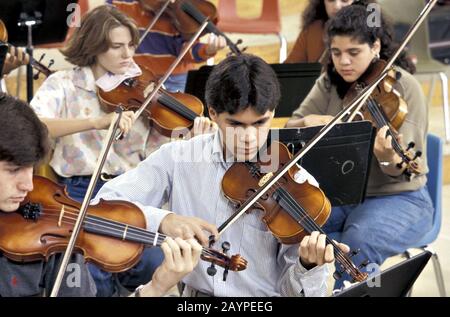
[
  {"x": 167, "y": 112},
  {"x": 385, "y": 106},
  {"x": 34, "y": 63},
  {"x": 113, "y": 234},
  {"x": 183, "y": 22},
  {"x": 290, "y": 210},
  {"x": 188, "y": 15}
]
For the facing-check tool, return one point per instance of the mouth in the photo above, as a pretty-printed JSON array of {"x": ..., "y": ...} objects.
[
  {"x": 17, "y": 199},
  {"x": 247, "y": 151},
  {"x": 347, "y": 72}
]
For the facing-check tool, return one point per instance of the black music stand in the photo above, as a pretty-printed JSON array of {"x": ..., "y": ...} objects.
[
  {"x": 35, "y": 22},
  {"x": 340, "y": 162},
  {"x": 395, "y": 281},
  {"x": 296, "y": 80}
]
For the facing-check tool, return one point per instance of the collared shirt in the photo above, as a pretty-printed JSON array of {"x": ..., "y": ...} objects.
[
  {"x": 71, "y": 94},
  {"x": 187, "y": 175}
]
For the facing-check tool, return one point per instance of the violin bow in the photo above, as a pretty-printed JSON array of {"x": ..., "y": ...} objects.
[
  {"x": 155, "y": 19},
  {"x": 175, "y": 63},
  {"x": 87, "y": 198},
  {"x": 423, "y": 14},
  {"x": 110, "y": 138},
  {"x": 190, "y": 10}
]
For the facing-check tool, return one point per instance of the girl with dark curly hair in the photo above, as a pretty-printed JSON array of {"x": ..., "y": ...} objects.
[{"x": 397, "y": 211}]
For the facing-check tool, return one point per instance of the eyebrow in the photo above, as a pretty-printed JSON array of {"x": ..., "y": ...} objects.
[
  {"x": 120, "y": 43},
  {"x": 262, "y": 120}
]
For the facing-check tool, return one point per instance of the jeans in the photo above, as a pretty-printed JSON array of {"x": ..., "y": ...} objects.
[
  {"x": 109, "y": 284},
  {"x": 381, "y": 226}
]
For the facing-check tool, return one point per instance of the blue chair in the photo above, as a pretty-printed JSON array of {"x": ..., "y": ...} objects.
[{"x": 434, "y": 184}]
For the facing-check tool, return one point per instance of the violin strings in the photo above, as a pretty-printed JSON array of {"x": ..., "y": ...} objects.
[
  {"x": 132, "y": 231},
  {"x": 311, "y": 224},
  {"x": 381, "y": 120},
  {"x": 178, "y": 106},
  {"x": 172, "y": 103},
  {"x": 110, "y": 223}
]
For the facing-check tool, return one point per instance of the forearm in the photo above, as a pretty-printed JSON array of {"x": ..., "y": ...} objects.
[
  {"x": 62, "y": 127},
  {"x": 296, "y": 123}
]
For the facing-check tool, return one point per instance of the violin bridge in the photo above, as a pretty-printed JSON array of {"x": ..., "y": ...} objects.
[
  {"x": 264, "y": 179},
  {"x": 125, "y": 233},
  {"x": 61, "y": 216},
  {"x": 148, "y": 90}
]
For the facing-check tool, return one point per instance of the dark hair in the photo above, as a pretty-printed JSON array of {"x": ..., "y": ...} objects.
[
  {"x": 23, "y": 137},
  {"x": 242, "y": 81},
  {"x": 316, "y": 11},
  {"x": 93, "y": 36},
  {"x": 352, "y": 21}
]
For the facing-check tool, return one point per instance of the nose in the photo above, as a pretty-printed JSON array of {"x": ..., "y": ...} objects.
[
  {"x": 345, "y": 60},
  {"x": 339, "y": 5},
  {"x": 127, "y": 52},
  {"x": 25, "y": 181},
  {"x": 248, "y": 135}
]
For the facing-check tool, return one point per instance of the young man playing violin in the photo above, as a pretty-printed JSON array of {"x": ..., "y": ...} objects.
[
  {"x": 23, "y": 143},
  {"x": 397, "y": 211},
  {"x": 21, "y": 149},
  {"x": 67, "y": 103},
  {"x": 242, "y": 93}
]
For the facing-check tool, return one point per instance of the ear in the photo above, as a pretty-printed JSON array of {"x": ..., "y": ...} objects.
[
  {"x": 376, "y": 48},
  {"x": 212, "y": 114}
]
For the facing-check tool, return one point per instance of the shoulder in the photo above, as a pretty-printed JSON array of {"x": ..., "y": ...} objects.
[
  {"x": 324, "y": 83},
  {"x": 61, "y": 77},
  {"x": 315, "y": 27},
  {"x": 408, "y": 84}
]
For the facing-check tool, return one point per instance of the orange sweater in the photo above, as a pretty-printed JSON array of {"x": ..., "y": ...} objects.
[{"x": 309, "y": 46}]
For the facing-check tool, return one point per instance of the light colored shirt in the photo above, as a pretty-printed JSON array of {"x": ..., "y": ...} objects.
[
  {"x": 71, "y": 94},
  {"x": 187, "y": 175}
]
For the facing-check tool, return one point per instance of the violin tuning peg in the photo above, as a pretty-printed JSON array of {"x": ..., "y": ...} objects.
[
  {"x": 239, "y": 41},
  {"x": 226, "y": 247},
  {"x": 225, "y": 274},
  {"x": 337, "y": 275},
  {"x": 418, "y": 154},
  {"x": 212, "y": 240},
  {"x": 352, "y": 253},
  {"x": 363, "y": 264},
  {"x": 42, "y": 57},
  {"x": 50, "y": 63},
  {"x": 410, "y": 146},
  {"x": 211, "y": 270}
]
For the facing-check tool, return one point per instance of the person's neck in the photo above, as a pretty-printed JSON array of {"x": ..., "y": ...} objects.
[{"x": 98, "y": 71}]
